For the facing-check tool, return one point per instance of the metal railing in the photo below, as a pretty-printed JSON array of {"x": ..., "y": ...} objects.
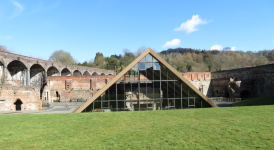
[
  {"x": 47, "y": 105},
  {"x": 225, "y": 99}
]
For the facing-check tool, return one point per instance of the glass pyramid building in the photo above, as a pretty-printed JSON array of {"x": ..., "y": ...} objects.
[{"x": 148, "y": 83}]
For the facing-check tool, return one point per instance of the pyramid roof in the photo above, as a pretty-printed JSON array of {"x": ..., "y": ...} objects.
[{"x": 131, "y": 65}]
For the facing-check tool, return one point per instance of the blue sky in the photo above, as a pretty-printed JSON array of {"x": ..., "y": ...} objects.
[{"x": 84, "y": 27}]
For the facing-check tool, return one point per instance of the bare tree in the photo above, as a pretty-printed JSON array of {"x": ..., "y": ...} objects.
[
  {"x": 140, "y": 51},
  {"x": 3, "y": 48}
]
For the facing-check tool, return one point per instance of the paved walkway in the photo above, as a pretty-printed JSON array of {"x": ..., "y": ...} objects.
[
  {"x": 50, "y": 111},
  {"x": 72, "y": 108},
  {"x": 223, "y": 103}
]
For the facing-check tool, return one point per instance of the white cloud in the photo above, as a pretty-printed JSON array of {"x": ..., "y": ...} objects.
[
  {"x": 189, "y": 25},
  {"x": 19, "y": 9},
  {"x": 233, "y": 48},
  {"x": 171, "y": 43},
  {"x": 216, "y": 47}
]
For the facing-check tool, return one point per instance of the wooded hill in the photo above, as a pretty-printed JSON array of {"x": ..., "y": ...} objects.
[{"x": 187, "y": 59}]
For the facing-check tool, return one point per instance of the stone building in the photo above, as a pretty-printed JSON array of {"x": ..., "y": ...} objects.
[
  {"x": 243, "y": 82},
  {"x": 22, "y": 79}
]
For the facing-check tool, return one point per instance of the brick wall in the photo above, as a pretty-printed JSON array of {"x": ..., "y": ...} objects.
[
  {"x": 29, "y": 96},
  {"x": 73, "y": 88},
  {"x": 201, "y": 80}
]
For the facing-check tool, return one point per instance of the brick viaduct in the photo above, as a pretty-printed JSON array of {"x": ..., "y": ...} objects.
[{"x": 19, "y": 70}]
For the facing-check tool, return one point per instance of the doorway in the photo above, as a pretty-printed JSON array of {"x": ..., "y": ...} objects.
[{"x": 18, "y": 104}]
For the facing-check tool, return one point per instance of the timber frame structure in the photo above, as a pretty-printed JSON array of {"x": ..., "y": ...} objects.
[{"x": 148, "y": 83}]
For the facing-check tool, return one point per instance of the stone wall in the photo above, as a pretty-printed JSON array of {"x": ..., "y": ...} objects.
[
  {"x": 245, "y": 82},
  {"x": 73, "y": 88},
  {"x": 29, "y": 97},
  {"x": 201, "y": 80}
]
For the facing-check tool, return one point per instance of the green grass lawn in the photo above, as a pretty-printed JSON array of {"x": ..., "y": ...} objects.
[
  {"x": 207, "y": 128},
  {"x": 266, "y": 100}
]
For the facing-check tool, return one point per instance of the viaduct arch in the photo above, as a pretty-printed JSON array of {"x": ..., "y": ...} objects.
[{"x": 19, "y": 70}]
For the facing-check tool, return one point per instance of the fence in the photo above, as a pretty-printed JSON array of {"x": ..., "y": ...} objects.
[
  {"x": 225, "y": 99},
  {"x": 46, "y": 105}
]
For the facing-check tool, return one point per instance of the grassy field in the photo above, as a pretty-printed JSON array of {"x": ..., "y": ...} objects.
[
  {"x": 207, "y": 128},
  {"x": 266, "y": 100}
]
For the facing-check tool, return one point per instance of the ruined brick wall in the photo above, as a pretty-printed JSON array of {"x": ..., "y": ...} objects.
[
  {"x": 251, "y": 82},
  {"x": 219, "y": 87},
  {"x": 73, "y": 88},
  {"x": 29, "y": 96},
  {"x": 201, "y": 80}
]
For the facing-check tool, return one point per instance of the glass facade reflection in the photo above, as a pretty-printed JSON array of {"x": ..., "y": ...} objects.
[{"x": 149, "y": 85}]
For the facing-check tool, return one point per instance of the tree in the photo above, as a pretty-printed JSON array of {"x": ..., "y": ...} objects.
[
  {"x": 127, "y": 58},
  {"x": 62, "y": 56},
  {"x": 99, "y": 60},
  {"x": 208, "y": 58},
  {"x": 271, "y": 55},
  {"x": 112, "y": 62},
  {"x": 3, "y": 48}
]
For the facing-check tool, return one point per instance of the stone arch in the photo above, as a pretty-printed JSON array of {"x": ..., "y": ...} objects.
[
  {"x": 95, "y": 74},
  {"x": 86, "y": 73},
  {"x": 245, "y": 94},
  {"x": 17, "y": 73},
  {"x": 77, "y": 73},
  {"x": 65, "y": 72},
  {"x": 53, "y": 71},
  {"x": 18, "y": 104},
  {"x": 37, "y": 75},
  {"x": 102, "y": 73},
  {"x": 2, "y": 72}
]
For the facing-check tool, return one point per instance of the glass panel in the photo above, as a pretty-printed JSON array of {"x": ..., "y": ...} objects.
[
  {"x": 171, "y": 89},
  {"x": 135, "y": 68},
  {"x": 154, "y": 60},
  {"x": 163, "y": 72},
  {"x": 143, "y": 60},
  {"x": 142, "y": 66},
  {"x": 142, "y": 74},
  {"x": 143, "y": 91},
  {"x": 97, "y": 107},
  {"x": 148, "y": 65},
  {"x": 165, "y": 104},
  {"x": 192, "y": 93},
  {"x": 157, "y": 90},
  {"x": 156, "y": 74},
  {"x": 164, "y": 88},
  {"x": 148, "y": 58},
  {"x": 144, "y": 104},
  {"x": 149, "y": 92},
  {"x": 112, "y": 105},
  {"x": 105, "y": 105},
  {"x": 135, "y": 91},
  {"x": 156, "y": 66},
  {"x": 157, "y": 105},
  {"x": 191, "y": 102},
  {"x": 128, "y": 106},
  {"x": 121, "y": 106},
  {"x": 171, "y": 103},
  {"x": 135, "y": 105},
  {"x": 121, "y": 91},
  {"x": 178, "y": 103}
]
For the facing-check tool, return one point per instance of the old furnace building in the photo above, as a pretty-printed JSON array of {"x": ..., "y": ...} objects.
[{"x": 23, "y": 79}]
